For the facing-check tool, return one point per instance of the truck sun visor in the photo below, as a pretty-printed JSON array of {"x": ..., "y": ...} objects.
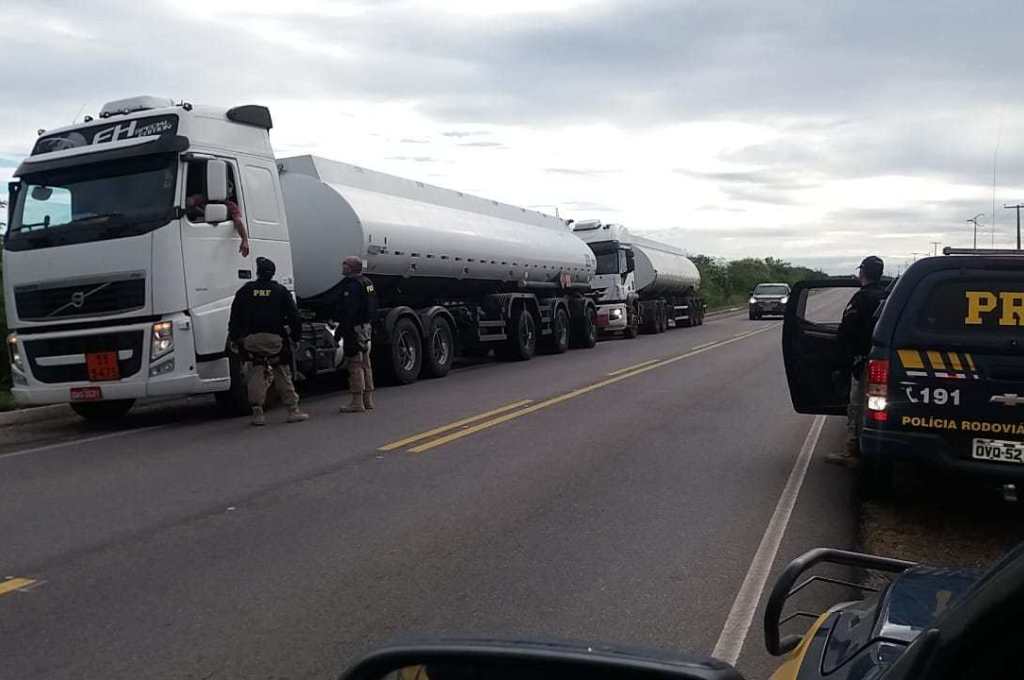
[{"x": 251, "y": 114}]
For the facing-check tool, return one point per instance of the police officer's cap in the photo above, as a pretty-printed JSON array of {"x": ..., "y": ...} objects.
[
  {"x": 265, "y": 268},
  {"x": 872, "y": 267}
]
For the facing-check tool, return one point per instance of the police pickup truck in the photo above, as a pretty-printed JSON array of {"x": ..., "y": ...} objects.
[{"x": 945, "y": 377}]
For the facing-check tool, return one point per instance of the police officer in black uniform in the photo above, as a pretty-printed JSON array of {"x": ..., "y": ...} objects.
[
  {"x": 355, "y": 312},
  {"x": 855, "y": 332},
  {"x": 263, "y": 321}
]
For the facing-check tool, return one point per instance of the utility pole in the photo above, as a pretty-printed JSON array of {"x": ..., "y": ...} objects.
[
  {"x": 935, "y": 247},
  {"x": 1017, "y": 208},
  {"x": 974, "y": 221}
]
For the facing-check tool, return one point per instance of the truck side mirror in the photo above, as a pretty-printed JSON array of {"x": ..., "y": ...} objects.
[
  {"x": 215, "y": 213},
  {"x": 216, "y": 181}
]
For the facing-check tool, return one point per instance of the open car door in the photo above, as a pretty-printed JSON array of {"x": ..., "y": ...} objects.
[{"x": 815, "y": 362}]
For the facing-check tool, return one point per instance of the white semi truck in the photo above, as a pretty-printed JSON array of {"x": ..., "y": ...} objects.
[
  {"x": 644, "y": 285},
  {"x": 120, "y": 263}
]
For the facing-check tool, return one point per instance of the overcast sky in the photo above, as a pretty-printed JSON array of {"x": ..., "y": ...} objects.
[{"x": 812, "y": 131}]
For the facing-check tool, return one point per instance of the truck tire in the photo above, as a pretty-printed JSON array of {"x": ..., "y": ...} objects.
[
  {"x": 405, "y": 353},
  {"x": 558, "y": 342},
  {"x": 632, "y": 322},
  {"x": 103, "y": 411},
  {"x": 521, "y": 343},
  {"x": 662, "y": 317},
  {"x": 585, "y": 328},
  {"x": 649, "y": 325},
  {"x": 234, "y": 401},
  {"x": 440, "y": 349}
]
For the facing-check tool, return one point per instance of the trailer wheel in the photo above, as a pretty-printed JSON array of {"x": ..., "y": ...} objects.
[
  {"x": 440, "y": 349},
  {"x": 521, "y": 343},
  {"x": 405, "y": 352},
  {"x": 103, "y": 411},
  {"x": 235, "y": 400},
  {"x": 558, "y": 342}
]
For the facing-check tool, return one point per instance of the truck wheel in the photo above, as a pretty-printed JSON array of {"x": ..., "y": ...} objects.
[
  {"x": 558, "y": 342},
  {"x": 521, "y": 343},
  {"x": 662, "y": 318},
  {"x": 440, "y": 350},
  {"x": 632, "y": 323},
  {"x": 405, "y": 353},
  {"x": 649, "y": 324},
  {"x": 235, "y": 400},
  {"x": 103, "y": 411},
  {"x": 585, "y": 328}
]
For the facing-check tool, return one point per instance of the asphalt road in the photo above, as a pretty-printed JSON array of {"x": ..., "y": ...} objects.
[{"x": 623, "y": 496}]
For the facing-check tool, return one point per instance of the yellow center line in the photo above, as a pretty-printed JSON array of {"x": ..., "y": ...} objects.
[
  {"x": 630, "y": 368},
  {"x": 451, "y": 426},
  {"x": 12, "y": 584},
  {"x": 706, "y": 344},
  {"x": 465, "y": 432}
]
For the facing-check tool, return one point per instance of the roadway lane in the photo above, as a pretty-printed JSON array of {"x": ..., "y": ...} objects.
[{"x": 621, "y": 507}]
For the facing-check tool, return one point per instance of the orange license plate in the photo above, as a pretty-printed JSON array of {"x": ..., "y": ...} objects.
[
  {"x": 86, "y": 394},
  {"x": 102, "y": 366}
]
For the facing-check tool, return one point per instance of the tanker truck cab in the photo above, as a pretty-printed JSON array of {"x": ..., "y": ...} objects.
[
  {"x": 121, "y": 261},
  {"x": 615, "y": 280},
  {"x": 644, "y": 285}
]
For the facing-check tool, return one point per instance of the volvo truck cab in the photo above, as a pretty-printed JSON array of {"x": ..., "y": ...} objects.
[{"x": 120, "y": 263}]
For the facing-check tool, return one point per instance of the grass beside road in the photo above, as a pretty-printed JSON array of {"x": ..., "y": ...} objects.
[{"x": 941, "y": 521}]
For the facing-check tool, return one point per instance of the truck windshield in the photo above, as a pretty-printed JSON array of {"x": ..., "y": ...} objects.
[
  {"x": 771, "y": 290},
  {"x": 96, "y": 201},
  {"x": 610, "y": 258}
]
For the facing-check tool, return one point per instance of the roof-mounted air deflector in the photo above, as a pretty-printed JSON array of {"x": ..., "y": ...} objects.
[
  {"x": 119, "y": 107},
  {"x": 251, "y": 114}
]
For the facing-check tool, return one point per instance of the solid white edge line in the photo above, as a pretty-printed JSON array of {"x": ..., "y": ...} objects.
[
  {"x": 75, "y": 442},
  {"x": 737, "y": 625}
]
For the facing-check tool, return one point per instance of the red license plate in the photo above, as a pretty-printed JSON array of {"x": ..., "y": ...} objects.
[
  {"x": 86, "y": 393},
  {"x": 102, "y": 366}
]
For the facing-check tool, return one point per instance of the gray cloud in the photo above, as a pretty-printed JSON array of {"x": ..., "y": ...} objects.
[{"x": 492, "y": 145}]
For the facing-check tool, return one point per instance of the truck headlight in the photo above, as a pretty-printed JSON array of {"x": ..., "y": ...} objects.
[
  {"x": 162, "y": 341},
  {"x": 615, "y": 314},
  {"x": 784, "y": 300},
  {"x": 14, "y": 352},
  {"x": 753, "y": 301}
]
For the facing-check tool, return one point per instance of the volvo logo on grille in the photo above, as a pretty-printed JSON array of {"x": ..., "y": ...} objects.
[{"x": 77, "y": 299}]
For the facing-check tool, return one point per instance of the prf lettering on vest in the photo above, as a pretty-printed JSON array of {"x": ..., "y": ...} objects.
[
  {"x": 261, "y": 292},
  {"x": 1010, "y": 306}
]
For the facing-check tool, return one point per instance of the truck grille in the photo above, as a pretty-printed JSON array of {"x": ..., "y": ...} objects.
[
  {"x": 87, "y": 298},
  {"x": 80, "y": 346}
]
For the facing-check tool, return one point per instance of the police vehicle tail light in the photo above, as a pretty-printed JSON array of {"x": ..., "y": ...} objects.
[
  {"x": 162, "y": 340},
  {"x": 878, "y": 389}
]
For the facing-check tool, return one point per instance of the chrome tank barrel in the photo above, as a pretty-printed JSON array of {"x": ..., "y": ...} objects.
[
  {"x": 662, "y": 270},
  {"x": 409, "y": 229}
]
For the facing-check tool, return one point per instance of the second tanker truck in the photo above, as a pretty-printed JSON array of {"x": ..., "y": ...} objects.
[
  {"x": 644, "y": 285},
  {"x": 118, "y": 289}
]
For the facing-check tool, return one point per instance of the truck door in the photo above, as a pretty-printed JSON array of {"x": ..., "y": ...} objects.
[
  {"x": 815, "y": 361},
  {"x": 214, "y": 269}
]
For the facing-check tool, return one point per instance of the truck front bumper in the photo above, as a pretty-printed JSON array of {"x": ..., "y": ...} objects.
[
  {"x": 612, "y": 318},
  {"x": 53, "y": 365}
]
